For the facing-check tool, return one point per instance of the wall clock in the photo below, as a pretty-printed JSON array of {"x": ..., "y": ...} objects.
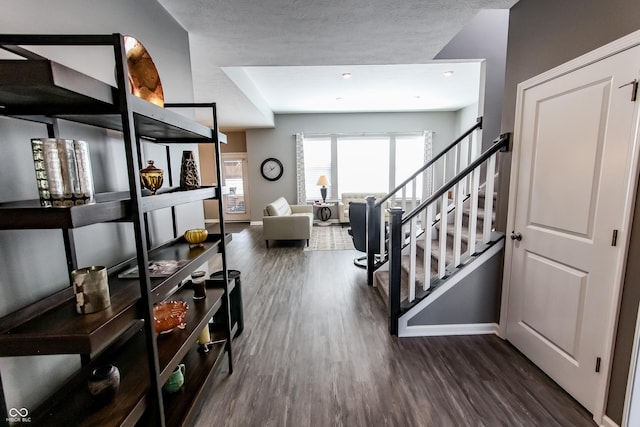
[{"x": 271, "y": 169}]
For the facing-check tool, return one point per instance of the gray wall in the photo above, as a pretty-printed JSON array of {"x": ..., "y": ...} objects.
[
  {"x": 542, "y": 35},
  {"x": 33, "y": 264},
  {"x": 280, "y": 143},
  {"x": 485, "y": 37},
  {"x": 475, "y": 300}
]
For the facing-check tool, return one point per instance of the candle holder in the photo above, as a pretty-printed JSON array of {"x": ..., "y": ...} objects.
[
  {"x": 198, "y": 284},
  {"x": 204, "y": 340},
  {"x": 205, "y": 343}
]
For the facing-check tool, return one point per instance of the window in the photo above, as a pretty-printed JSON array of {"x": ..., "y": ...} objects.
[
  {"x": 373, "y": 164},
  {"x": 363, "y": 165},
  {"x": 317, "y": 162},
  {"x": 409, "y": 157}
]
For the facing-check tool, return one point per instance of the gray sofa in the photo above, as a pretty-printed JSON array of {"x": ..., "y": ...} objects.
[{"x": 282, "y": 221}]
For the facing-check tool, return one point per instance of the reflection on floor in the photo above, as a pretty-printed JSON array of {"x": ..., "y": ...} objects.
[{"x": 229, "y": 227}]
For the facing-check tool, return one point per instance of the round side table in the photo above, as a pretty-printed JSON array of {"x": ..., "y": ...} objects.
[{"x": 324, "y": 213}]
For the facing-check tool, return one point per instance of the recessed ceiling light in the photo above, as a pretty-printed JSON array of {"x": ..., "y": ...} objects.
[
  {"x": 339, "y": 98},
  {"x": 346, "y": 75},
  {"x": 417, "y": 97},
  {"x": 448, "y": 73}
]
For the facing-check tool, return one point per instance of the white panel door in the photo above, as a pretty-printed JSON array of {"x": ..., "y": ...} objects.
[{"x": 576, "y": 143}]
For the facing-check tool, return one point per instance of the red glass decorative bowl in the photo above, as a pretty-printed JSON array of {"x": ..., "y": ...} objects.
[{"x": 169, "y": 315}]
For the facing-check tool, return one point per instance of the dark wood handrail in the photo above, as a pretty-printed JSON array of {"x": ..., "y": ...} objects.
[
  {"x": 499, "y": 144},
  {"x": 478, "y": 125}
]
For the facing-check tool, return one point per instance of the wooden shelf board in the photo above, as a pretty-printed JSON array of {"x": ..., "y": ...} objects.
[
  {"x": 62, "y": 330},
  {"x": 173, "y": 346},
  {"x": 73, "y": 405},
  {"x": 200, "y": 368},
  {"x": 43, "y": 87},
  {"x": 177, "y": 197},
  {"x": 52, "y": 86},
  {"x": 30, "y": 214},
  {"x": 179, "y": 249}
]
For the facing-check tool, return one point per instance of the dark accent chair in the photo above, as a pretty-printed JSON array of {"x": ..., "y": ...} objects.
[{"x": 358, "y": 231}]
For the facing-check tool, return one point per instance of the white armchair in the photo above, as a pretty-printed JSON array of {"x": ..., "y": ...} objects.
[{"x": 282, "y": 221}]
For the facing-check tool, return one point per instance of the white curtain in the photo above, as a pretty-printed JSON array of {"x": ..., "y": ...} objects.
[
  {"x": 300, "y": 184},
  {"x": 427, "y": 188}
]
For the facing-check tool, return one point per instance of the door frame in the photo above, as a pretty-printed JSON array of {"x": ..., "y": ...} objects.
[{"x": 624, "y": 233}]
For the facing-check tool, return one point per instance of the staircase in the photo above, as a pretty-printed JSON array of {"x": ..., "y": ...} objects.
[
  {"x": 381, "y": 276},
  {"x": 433, "y": 248}
]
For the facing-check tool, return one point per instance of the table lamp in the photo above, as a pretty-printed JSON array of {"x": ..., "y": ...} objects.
[{"x": 324, "y": 182}]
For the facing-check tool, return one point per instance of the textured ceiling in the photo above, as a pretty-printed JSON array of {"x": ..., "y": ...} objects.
[{"x": 240, "y": 33}]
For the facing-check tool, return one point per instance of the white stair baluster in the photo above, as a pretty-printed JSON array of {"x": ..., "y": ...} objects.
[
  {"x": 383, "y": 234},
  {"x": 457, "y": 224},
  {"x": 412, "y": 259},
  {"x": 473, "y": 209},
  {"x": 428, "y": 237},
  {"x": 488, "y": 199},
  {"x": 414, "y": 196},
  {"x": 403, "y": 204},
  {"x": 465, "y": 146},
  {"x": 442, "y": 260}
]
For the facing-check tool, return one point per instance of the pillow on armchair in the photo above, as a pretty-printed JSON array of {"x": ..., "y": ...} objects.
[{"x": 343, "y": 204}]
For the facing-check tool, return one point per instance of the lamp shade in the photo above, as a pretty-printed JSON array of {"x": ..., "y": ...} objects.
[{"x": 323, "y": 181}]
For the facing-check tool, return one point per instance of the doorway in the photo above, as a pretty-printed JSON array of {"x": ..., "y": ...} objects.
[{"x": 235, "y": 178}]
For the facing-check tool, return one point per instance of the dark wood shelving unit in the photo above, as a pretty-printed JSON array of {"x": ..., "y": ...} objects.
[{"x": 39, "y": 90}]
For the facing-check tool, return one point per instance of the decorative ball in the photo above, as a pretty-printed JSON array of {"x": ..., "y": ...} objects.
[{"x": 196, "y": 236}]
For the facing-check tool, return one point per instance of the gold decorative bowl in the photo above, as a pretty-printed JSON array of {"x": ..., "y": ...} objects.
[
  {"x": 143, "y": 75},
  {"x": 169, "y": 315},
  {"x": 196, "y": 236}
]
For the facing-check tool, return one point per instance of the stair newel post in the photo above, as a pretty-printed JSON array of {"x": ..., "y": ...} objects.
[
  {"x": 371, "y": 237},
  {"x": 395, "y": 268}
]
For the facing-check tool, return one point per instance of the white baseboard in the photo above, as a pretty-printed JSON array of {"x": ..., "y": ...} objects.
[
  {"x": 608, "y": 422},
  {"x": 255, "y": 223},
  {"x": 445, "y": 330}
]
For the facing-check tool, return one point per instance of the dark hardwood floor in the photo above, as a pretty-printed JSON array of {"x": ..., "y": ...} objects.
[{"x": 315, "y": 351}]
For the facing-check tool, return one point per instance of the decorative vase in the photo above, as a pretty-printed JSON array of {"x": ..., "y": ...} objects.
[
  {"x": 189, "y": 177},
  {"x": 151, "y": 177},
  {"x": 103, "y": 383},
  {"x": 176, "y": 380},
  {"x": 91, "y": 287},
  {"x": 63, "y": 171}
]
